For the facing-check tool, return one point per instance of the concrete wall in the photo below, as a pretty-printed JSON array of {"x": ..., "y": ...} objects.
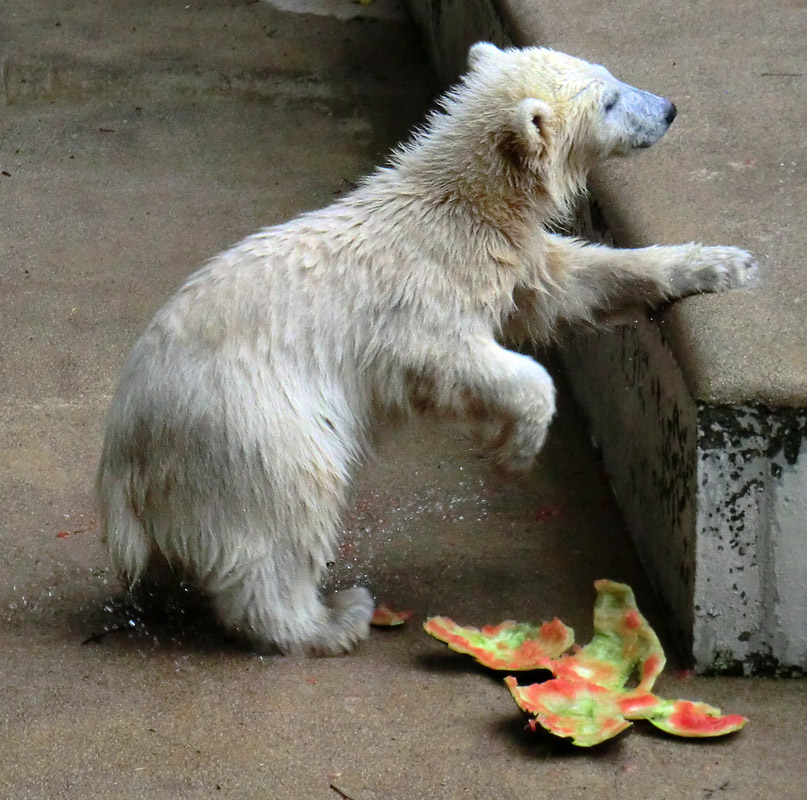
[
  {"x": 450, "y": 27},
  {"x": 715, "y": 496},
  {"x": 751, "y": 601}
]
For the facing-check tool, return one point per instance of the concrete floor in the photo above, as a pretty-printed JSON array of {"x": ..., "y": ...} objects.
[{"x": 138, "y": 139}]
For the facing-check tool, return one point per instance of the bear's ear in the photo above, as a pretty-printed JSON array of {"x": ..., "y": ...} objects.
[
  {"x": 482, "y": 52},
  {"x": 532, "y": 121}
]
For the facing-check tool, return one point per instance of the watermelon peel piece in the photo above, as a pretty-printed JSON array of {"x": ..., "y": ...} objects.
[
  {"x": 623, "y": 646},
  {"x": 590, "y": 714},
  {"x": 589, "y": 697},
  {"x": 583, "y": 711},
  {"x": 688, "y": 719},
  {"x": 386, "y": 617},
  {"x": 584, "y": 701},
  {"x": 596, "y": 691},
  {"x": 507, "y": 646}
]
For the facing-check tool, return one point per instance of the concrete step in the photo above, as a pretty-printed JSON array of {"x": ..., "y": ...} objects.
[{"x": 701, "y": 414}]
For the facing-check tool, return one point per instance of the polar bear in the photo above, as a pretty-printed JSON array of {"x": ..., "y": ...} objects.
[{"x": 248, "y": 402}]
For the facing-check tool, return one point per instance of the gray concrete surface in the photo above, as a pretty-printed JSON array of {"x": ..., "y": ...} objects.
[
  {"x": 137, "y": 139},
  {"x": 700, "y": 412}
]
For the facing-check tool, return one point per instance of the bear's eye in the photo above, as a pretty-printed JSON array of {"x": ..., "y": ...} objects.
[{"x": 611, "y": 101}]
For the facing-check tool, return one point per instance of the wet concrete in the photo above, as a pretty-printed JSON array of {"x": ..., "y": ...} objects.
[{"x": 123, "y": 175}]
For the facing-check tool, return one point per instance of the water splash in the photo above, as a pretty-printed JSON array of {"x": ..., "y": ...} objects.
[{"x": 379, "y": 518}]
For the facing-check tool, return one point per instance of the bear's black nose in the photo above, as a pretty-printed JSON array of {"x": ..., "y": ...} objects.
[{"x": 671, "y": 114}]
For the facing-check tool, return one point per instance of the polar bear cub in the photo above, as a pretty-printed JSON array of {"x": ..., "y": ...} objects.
[{"x": 247, "y": 404}]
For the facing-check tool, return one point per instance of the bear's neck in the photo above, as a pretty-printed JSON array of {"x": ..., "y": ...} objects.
[{"x": 491, "y": 187}]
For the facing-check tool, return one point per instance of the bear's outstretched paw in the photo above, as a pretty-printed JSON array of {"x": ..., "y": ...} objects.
[{"x": 721, "y": 268}]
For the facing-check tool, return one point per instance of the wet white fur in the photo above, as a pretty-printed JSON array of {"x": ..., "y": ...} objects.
[{"x": 248, "y": 402}]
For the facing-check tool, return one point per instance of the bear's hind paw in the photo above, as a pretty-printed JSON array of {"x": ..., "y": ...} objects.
[{"x": 351, "y": 611}]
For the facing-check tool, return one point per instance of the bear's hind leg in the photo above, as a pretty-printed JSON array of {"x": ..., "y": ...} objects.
[{"x": 286, "y": 612}]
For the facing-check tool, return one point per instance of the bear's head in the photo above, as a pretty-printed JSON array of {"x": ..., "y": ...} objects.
[
  {"x": 547, "y": 94},
  {"x": 531, "y": 123}
]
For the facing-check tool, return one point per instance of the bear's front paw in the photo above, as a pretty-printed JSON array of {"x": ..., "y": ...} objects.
[
  {"x": 517, "y": 445},
  {"x": 721, "y": 268}
]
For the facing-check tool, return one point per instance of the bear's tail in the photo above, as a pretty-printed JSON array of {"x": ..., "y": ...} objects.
[{"x": 129, "y": 547}]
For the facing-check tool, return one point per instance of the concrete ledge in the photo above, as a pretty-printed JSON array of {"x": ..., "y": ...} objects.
[{"x": 702, "y": 413}]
